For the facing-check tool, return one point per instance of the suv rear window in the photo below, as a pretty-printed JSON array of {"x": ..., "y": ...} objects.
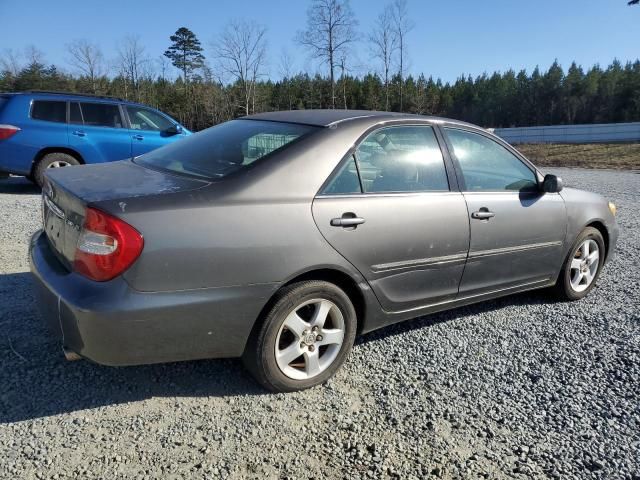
[
  {"x": 225, "y": 148},
  {"x": 51, "y": 111}
]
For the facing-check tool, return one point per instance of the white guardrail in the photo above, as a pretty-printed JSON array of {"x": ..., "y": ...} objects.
[{"x": 592, "y": 133}]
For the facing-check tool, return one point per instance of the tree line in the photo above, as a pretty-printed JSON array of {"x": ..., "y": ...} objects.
[{"x": 229, "y": 78}]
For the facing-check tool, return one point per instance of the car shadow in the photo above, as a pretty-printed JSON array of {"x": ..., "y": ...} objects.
[
  {"x": 18, "y": 185},
  {"x": 38, "y": 382}
]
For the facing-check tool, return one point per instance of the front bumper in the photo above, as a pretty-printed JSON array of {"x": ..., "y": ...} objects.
[{"x": 112, "y": 324}]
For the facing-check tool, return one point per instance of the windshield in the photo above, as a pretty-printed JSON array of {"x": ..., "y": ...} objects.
[{"x": 225, "y": 148}]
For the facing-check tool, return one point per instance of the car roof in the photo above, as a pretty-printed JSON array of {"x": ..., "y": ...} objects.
[
  {"x": 327, "y": 118},
  {"x": 42, "y": 94}
]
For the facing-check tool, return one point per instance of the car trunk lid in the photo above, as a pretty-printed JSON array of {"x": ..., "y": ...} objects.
[{"x": 69, "y": 191}]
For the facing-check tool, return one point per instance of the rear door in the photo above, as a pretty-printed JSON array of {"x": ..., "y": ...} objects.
[
  {"x": 517, "y": 231},
  {"x": 97, "y": 131},
  {"x": 149, "y": 129},
  {"x": 391, "y": 212}
]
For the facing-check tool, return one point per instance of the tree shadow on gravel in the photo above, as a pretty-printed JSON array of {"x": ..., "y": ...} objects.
[
  {"x": 36, "y": 381},
  {"x": 18, "y": 186}
]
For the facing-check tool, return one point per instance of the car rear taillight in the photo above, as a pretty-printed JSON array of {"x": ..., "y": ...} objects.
[
  {"x": 106, "y": 247},
  {"x": 7, "y": 131}
]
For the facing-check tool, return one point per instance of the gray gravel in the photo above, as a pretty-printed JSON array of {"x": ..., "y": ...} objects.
[{"x": 515, "y": 388}]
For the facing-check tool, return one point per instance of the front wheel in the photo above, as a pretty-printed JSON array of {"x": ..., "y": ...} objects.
[
  {"x": 582, "y": 266},
  {"x": 305, "y": 337}
]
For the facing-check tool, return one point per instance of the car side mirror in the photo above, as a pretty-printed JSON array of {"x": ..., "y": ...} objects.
[
  {"x": 552, "y": 184},
  {"x": 173, "y": 130}
]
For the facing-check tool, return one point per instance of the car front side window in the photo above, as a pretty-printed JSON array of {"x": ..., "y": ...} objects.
[
  {"x": 488, "y": 166},
  {"x": 145, "y": 119}
]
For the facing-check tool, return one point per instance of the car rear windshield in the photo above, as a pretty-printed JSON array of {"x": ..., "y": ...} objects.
[{"x": 225, "y": 148}]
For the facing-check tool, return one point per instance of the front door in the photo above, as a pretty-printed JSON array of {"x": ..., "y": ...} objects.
[
  {"x": 149, "y": 130},
  {"x": 517, "y": 231},
  {"x": 390, "y": 212}
]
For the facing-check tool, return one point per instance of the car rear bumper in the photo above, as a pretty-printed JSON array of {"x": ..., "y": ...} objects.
[{"x": 112, "y": 324}]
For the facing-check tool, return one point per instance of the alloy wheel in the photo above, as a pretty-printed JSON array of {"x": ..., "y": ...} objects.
[
  {"x": 309, "y": 339},
  {"x": 58, "y": 164},
  {"x": 584, "y": 265}
]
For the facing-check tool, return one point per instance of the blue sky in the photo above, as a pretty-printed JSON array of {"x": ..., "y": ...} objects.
[{"x": 450, "y": 38}]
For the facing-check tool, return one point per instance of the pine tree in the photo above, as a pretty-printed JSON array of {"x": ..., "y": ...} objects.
[{"x": 185, "y": 52}]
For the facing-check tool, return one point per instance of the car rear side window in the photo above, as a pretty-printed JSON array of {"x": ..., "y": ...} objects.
[
  {"x": 405, "y": 158},
  {"x": 226, "y": 148},
  {"x": 50, "y": 111},
  {"x": 75, "y": 116},
  {"x": 3, "y": 101},
  {"x": 101, "y": 115}
]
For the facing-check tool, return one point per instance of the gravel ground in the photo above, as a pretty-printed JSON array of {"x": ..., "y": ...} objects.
[{"x": 515, "y": 388}]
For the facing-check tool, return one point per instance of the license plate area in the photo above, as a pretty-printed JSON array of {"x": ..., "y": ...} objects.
[{"x": 54, "y": 224}]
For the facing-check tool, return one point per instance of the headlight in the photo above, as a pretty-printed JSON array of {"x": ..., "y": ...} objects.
[{"x": 612, "y": 208}]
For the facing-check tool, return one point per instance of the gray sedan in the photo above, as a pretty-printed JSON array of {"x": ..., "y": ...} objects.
[{"x": 279, "y": 237}]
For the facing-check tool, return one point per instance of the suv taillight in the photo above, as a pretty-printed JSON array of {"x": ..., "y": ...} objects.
[
  {"x": 7, "y": 131},
  {"x": 107, "y": 246}
]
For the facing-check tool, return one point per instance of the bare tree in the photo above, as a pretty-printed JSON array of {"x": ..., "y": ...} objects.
[
  {"x": 330, "y": 29},
  {"x": 402, "y": 26},
  {"x": 10, "y": 62},
  {"x": 87, "y": 58},
  {"x": 34, "y": 55},
  {"x": 132, "y": 61},
  {"x": 384, "y": 43},
  {"x": 241, "y": 53},
  {"x": 286, "y": 72}
]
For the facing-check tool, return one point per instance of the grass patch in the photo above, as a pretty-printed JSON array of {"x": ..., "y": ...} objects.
[{"x": 620, "y": 156}]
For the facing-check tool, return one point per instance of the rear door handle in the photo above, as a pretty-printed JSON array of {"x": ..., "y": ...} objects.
[
  {"x": 347, "y": 220},
  {"x": 138, "y": 137},
  {"x": 483, "y": 214},
  {"x": 78, "y": 133}
]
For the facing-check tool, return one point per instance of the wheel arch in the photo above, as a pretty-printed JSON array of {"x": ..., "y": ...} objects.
[
  {"x": 598, "y": 225},
  {"x": 328, "y": 274},
  {"x": 45, "y": 151}
]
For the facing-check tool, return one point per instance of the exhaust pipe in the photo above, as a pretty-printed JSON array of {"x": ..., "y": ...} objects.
[{"x": 70, "y": 355}]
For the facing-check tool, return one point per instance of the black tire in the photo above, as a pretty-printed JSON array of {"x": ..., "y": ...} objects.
[
  {"x": 260, "y": 357},
  {"x": 48, "y": 160},
  {"x": 563, "y": 288}
]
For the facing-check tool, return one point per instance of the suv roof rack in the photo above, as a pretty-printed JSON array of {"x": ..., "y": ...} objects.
[{"x": 89, "y": 95}]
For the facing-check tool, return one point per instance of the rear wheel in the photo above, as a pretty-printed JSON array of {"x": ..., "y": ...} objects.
[
  {"x": 52, "y": 160},
  {"x": 304, "y": 339},
  {"x": 582, "y": 266}
]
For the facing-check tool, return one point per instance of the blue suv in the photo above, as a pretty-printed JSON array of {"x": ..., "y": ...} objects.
[{"x": 40, "y": 130}]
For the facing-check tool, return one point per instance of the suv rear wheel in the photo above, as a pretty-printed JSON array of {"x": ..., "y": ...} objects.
[{"x": 52, "y": 160}]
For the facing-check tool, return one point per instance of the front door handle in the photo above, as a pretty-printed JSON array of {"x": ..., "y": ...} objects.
[
  {"x": 138, "y": 137},
  {"x": 348, "y": 220},
  {"x": 78, "y": 133},
  {"x": 483, "y": 214}
]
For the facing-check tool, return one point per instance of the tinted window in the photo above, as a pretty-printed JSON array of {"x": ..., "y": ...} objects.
[
  {"x": 402, "y": 159},
  {"x": 145, "y": 119},
  {"x": 345, "y": 181},
  {"x": 488, "y": 166},
  {"x": 101, "y": 115},
  {"x": 49, "y": 111},
  {"x": 225, "y": 148},
  {"x": 74, "y": 113},
  {"x": 3, "y": 101}
]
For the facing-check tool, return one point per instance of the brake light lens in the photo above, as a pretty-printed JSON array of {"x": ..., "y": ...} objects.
[
  {"x": 107, "y": 246},
  {"x": 7, "y": 131}
]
